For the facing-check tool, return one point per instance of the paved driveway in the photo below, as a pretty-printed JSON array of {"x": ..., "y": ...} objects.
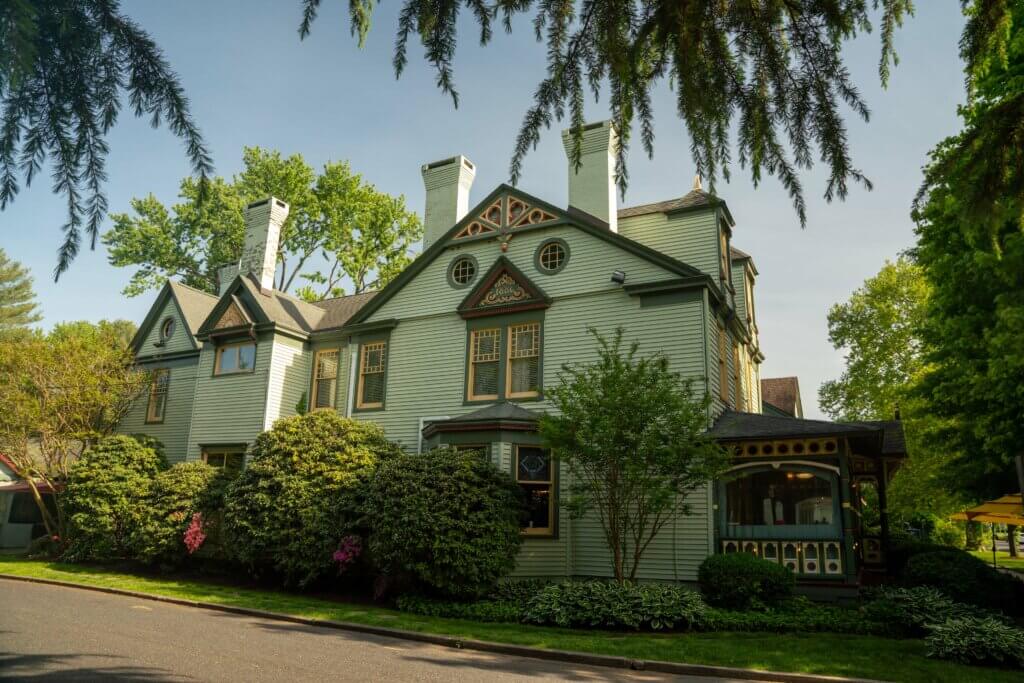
[{"x": 50, "y": 633}]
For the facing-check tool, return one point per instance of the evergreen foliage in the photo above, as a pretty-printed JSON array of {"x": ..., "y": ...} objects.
[
  {"x": 299, "y": 494},
  {"x": 17, "y": 300},
  {"x": 105, "y": 498},
  {"x": 339, "y": 228},
  {"x": 447, "y": 521},
  {"x": 744, "y": 581},
  {"x": 174, "y": 496},
  {"x": 66, "y": 69},
  {"x": 631, "y": 438}
]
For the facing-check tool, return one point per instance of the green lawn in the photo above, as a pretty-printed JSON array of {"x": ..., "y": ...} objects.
[
  {"x": 820, "y": 653},
  {"x": 1003, "y": 559}
]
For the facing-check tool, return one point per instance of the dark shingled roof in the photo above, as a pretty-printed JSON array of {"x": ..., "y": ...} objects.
[
  {"x": 782, "y": 393},
  {"x": 284, "y": 309},
  {"x": 894, "y": 442},
  {"x": 497, "y": 411},
  {"x": 195, "y": 305},
  {"x": 337, "y": 311},
  {"x": 733, "y": 425},
  {"x": 691, "y": 199}
]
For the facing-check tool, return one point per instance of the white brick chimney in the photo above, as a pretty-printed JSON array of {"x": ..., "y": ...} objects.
[
  {"x": 447, "y": 184},
  {"x": 592, "y": 187},
  {"x": 263, "y": 221}
]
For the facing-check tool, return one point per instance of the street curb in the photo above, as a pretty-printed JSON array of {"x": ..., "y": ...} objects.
[{"x": 469, "y": 644}]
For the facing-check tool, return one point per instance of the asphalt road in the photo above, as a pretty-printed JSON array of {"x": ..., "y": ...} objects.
[{"x": 50, "y": 633}]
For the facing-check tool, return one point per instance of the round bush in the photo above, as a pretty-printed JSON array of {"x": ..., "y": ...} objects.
[
  {"x": 446, "y": 520},
  {"x": 105, "y": 493},
  {"x": 174, "y": 497},
  {"x": 743, "y": 581},
  {"x": 965, "y": 578},
  {"x": 299, "y": 495}
]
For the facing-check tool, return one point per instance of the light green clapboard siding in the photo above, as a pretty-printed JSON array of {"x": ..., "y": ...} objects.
[
  {"x": 179, "y": 341},
  {"x": 229, "y": 409},
  {"x": 739, "y": 283},
  {"x": 691, "y": 237},
  {"x": 591, "y": 262},
  {"x": 289, "y": 377},
  {"x": 173, "y": 431}
]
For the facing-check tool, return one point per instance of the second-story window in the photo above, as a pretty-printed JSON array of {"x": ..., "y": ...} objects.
[
  {"x": 158, "y": 395},
  {"x": 373, "y": 358},
  {"x": 737, "y": 378},
  {"x": 325, "y": 379},
  {"x": 484, "y": 364},
  {"x": 723, "y": 262},
  {"x": 235, "y": 358},
  {"x": 523, "y": 370}
]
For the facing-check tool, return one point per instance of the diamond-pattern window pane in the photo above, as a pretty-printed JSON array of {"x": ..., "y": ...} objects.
[{"x": 534, "y": 464}]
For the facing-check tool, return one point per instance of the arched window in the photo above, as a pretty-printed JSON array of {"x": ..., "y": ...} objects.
[{"x": 785, "y": 502}]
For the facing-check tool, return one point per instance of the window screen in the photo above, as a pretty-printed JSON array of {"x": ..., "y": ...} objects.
[
  {"x": 524, "y": 359},
  {"x": 325, "y": 379}
]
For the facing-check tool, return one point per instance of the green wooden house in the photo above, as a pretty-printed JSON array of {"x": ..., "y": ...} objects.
[{"x": 460, "y": 347}]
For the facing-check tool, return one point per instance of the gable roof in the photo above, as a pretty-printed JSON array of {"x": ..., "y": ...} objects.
[
  {"x": 782, "y": 393},
  {"x": 284, "y": 309},
  {"x": 571, "y": 217},
  {"x": 526, "y": 296},
  {"x": 694, "y": 199},
  {"x": 193, "y": 305}
]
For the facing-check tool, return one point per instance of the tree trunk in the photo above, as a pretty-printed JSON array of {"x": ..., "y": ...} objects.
[
  {"x": 51, "y": 527},
  {"x": 1011, "y": 538}
]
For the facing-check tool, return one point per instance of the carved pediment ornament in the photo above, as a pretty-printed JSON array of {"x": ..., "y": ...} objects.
[
  {"x": 493, "y": 219},
  {"x": 504, "y": 291}
]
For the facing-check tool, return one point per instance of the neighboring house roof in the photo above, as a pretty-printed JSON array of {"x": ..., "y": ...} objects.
[
  {"x": 782, "y": 393},
  {"x": 571, "y": 217},
  {"x": 694, "y": 199}
]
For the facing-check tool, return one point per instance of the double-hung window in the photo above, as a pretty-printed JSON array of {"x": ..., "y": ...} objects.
[
  {"x": 325, "y": 379},
  {"x": 373, "y": 358},
  {"x": 158, "y": 395},
  {"x": 484, "y": 364},
  {"x": 535, "y": 474},
  {"x": 504, "y": 362}
]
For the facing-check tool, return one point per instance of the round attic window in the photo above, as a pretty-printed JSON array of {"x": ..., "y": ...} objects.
[
  {"x": 167, "y": 328},
  {"x": 551, "y": 256},
  {"x": 462, "y": 271}
]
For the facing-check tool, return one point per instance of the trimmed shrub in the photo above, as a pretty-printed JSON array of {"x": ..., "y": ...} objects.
[
  {"x": 445, "y": 520},
  {"x": 501, "y": 611},
  {"x": 744, "y": 581},
  {"x": 910, "y": 612},
  {"x": 965, "y": 578},
  {"x": 613, "y": 605},
  {"x": 174, "y": 497},
  {"x": 518, "y": 591},
  {"x": 977, "y": 641},
  {"x": 298, "y": 497},
  {"x": 104, "y": 497},
  {"x": 796, "y": 615}
]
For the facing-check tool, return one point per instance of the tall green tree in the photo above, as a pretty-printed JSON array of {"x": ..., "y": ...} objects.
[
  {"x": 18, "y": 306},
  {"x": 339, "y": 228},
  {"x": 879, "y": 330},
  {"x": 970, "y": 227},
  {"x": 67, "y": 67},
  {"x": 60, "y": 392},
  {"x": 631, "y": 437}
]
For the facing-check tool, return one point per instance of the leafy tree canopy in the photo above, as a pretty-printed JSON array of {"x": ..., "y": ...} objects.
[
  {"x": 339, "y": 228},
  {"x": 18, "y": 307},
  {"x": 633, "y": 436},
  {"x": 970, "y": 226},
  {"x": 67, "y": 67}
]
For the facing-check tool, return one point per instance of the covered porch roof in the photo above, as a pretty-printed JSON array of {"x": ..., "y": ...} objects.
[{"x": 882, "y": 438}]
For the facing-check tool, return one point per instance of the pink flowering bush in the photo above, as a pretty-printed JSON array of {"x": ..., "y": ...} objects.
[
  {"x": 348, "y": 550},
  {"x": 195, "y": 534}
]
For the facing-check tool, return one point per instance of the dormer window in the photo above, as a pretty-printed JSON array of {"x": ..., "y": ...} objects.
[
  {"x": 723, "y": 258},
  {"x": 235, "y": 358}
]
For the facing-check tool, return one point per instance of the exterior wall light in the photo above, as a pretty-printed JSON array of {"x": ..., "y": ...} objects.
[{"x": 618, "y": 277}]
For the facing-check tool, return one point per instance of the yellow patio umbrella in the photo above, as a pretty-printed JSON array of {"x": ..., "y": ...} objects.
[{"x": 1005, "y": 510}]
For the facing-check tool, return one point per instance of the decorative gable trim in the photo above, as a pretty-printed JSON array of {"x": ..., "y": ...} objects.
[
  {"x": 504, "y": 214},
  {"x": 234, "y": 316},
  {"x": 503, "y": 289},
  {"x": 236, "y": 311}
]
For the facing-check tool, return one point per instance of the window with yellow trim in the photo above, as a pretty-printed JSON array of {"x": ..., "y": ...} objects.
[
  {"x": 535, "y": 474},
  {"x": 325, "y": 379},
  {"x": 523, "y": 369},
  {"x": 158, "y": 395},
  {"x": 723, "y": 250},
  {"x": 484, "y": 364},
  {"x": 372, "y": 375}
]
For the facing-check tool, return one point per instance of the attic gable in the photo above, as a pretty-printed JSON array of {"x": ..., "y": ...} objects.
[
  {"x": 503, "y": 289},
  {"x": 187, "y": 307},
  {"x": 233, "y": 316},
  {"x": 504, "y": 214}
]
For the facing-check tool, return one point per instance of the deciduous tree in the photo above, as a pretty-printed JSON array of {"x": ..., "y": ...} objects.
[{"x": 631, "y": 437}]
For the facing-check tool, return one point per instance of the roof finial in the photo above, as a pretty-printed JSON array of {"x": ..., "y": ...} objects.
[{"x": 696, "y": 182}]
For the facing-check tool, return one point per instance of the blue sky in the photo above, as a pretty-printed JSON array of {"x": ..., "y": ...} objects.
[{"x": 252, "y": 82}]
